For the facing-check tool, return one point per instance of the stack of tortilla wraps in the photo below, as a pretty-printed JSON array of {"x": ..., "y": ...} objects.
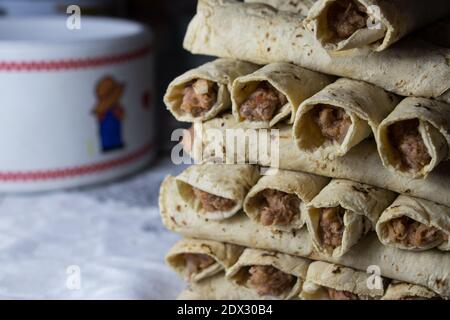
[{"x": 320, "y": 138}]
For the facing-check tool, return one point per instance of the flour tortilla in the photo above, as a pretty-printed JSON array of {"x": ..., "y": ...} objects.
[
  {"x": 225, "y": 255},
  {"x": 363, "y": 205},
  {"x": 365, "y": 104},
  {"x": 261, "y": 34},
  {"x": 434, "y": 119},
  {"x": 391, "y": 21},
  {"x": 426, "y": 212},
  {"x": 189, "y": 295},
  {"x": 322, "y": 275},
  {"x": 217, "y": 287},
  {"x": 429, "y": 268},
  {"x": 294, "y": 82},
  {"x": 222, "y": 72},
  {"x": 295, "y": 266},
  {"x": 226, "y": 181},
  {"x": 437, "y": 33},
  {"x": 304, "y": 186},
  {"x": 402, "y": 291},
  {"x": 362, "y": 163},
  {"x": 301, "y": 7}
]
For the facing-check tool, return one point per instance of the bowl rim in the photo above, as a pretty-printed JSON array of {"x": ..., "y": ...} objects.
[{"x": 134, "y": 30}]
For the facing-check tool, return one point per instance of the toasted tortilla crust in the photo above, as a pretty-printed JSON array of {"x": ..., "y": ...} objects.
[
  {"x": 304, "y": 186},
  {"x": 402, "y": 290},
  {"x": 363, "y": 205},
  {"x": 365, "y": 104},
  {"x": 391, "y": 20},
  {"x": 429, "y": 268},
  {"x": 362, "y": 163},
  {"x": 225, "y": 255},
  {"x": 227, "y": 181},
  {"x": 434, "y": 127},
  {"x": 426, "y": 212},
  {"x": 294, "y": 266},
  {"x": 222, "y": 72},
  {"x": 412, "y": 67},
  {"x": 294, "y": 82},
  {"x": 343, "y": 278},
  {"x": 301, "y": 7},
  {"x": 218, "y": 287}
]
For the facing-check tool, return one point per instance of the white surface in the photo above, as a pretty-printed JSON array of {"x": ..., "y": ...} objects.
[{"x": 112, "y": 232}]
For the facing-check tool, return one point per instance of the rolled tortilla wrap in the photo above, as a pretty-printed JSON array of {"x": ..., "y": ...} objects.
[
  {"x": 217, "y": 287},
  {"x": 216, "y": 192},
  {"x": 326, "y": 281},
  {"x": 437, "y": 33},
  {"x": 411, "y": 68},
  {"x": 189, "y": 295},
  {"x": 301, "y": 7},
  {"x": 428, "y": 268},
  {"x": 362, "y": 163},
  {"x": 279, "y": 200},
  {"x": 415, "y": 224},
  {"x": 405, "y": 291},
  {"x": 269, "y": 274},
  {"x": 415, "y": 137},
  {"x": 195, "y": 260},
  {"x": 204, "y": 92},
  {"x": 343, "y": 213},
  {"x": 274, "y": 92},
  {"x": 349, "y": 24},
  {"x": 340, "y": 116}
]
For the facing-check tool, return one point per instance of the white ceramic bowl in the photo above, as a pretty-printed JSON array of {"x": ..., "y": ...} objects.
[{"x": 76, "y": 106}]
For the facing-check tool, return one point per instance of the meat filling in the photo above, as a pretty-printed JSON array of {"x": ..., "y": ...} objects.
[
  {"x": 333, "y": 122},
  {"x": 345, "y": 17},
  {"x": 195, "y": 263},
  {"x": 341, "y": 295},
  {"x": 199, "y": 96},
  {"x": 407, "y": 141},
  {"x": 279, "y": 208},
  {"x": 262, "y": 104},
  {"x": 331, "y": 226},
  {"x": 267, "y": 280},
  {"x": 409, "y": 232},
  {"x": 212, "y": 203}
]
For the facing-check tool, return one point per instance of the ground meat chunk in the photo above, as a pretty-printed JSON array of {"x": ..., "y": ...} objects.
[
  {"x": 333, "y": 122},
  {"x": 345, "y": 17},
  {"x": 199, "y": 96},
  {"x": 341, "y": 295},
  {"x": 196, "y": 262},
  {"x": 331, "y": 226},
  {"x": 262, "y": 104},
  {"x": 267, "y": 280},
  {"x": 409, "y": 232},
  {"x": 408, "y": 143},
  {"x": 279, "y": 208},
  {"x": 212, "y": 203}
]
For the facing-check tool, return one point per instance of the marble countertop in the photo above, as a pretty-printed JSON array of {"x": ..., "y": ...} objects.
[{"x": 102, "y": 242}]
